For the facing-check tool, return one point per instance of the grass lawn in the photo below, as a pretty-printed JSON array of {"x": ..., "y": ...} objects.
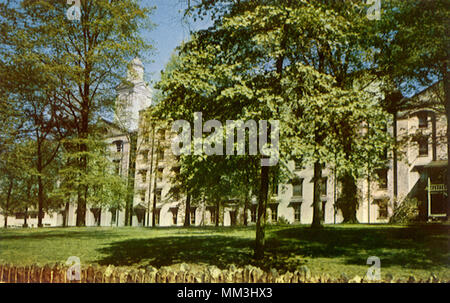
[{"x": 336, "y": 249}]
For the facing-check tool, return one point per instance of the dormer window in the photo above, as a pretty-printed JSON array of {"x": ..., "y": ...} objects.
[{"x": 423, "y": 119}]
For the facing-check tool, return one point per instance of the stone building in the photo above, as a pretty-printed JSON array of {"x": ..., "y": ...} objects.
[
  {"x": 141, "y": 150},
  {"x": 422, "y": 159}
]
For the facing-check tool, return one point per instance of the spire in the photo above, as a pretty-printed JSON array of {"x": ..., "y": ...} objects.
[
  {"x": 135, "y": 71},
  {"x": 132, "y": 97}
]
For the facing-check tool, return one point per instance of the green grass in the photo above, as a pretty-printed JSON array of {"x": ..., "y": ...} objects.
[{"x": 338, "y": 249}]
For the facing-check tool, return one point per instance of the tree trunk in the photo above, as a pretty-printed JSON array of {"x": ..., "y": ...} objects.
[
  {"x": 8, "y": 198},
  {"x": 40, "y": 201},
  {"x": 262, "y": 209},
  {"x": 150, "y": 179},
  {"x": 317, "y": 202},
  {"x": 40, "y": 185},
  {"x": 447, "y": 110},
  {"x": 66, "y": 215},
  {"x": 154, "y": 185},
  {"x": 82, "y": 190},
  {"x": 246, "y": 202},
  {"x": 25, "y": 224},
  {"x": 187, "y": 213},
  {"x": 395, "y": 160},
  {"x": 217, "y": 213},
  {"x": 130, "y": 180}
]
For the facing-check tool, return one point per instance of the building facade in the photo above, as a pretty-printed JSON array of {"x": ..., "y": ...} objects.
[{"x": 418, "y": 172}]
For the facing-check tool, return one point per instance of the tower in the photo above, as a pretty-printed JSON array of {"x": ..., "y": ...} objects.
[{"x": 133, "y": 96}]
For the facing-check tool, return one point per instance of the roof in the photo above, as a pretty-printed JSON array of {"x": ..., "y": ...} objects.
[
  {"x": 432, "y": 164},
  {"x": 436, "y": 164}
]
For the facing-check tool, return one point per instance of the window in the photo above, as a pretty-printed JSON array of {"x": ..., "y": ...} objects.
[
  {"x": 274, "y": 213},
  {"x": 158, "y": 195},
  {"x": 323, "y": 186},
  {"x": 143, "y": 173},
  {"x": 162, "y": 134},
  {"x": 297, "y": 212},
  {"x": 160, "y": 174},
  {"x": 253, "y": 214},
  {"x": 384, "y": 155},
  {"x": 144, "y": 156},
  {"x": 297, "y": 187},
  {"x": 212, "y": 211},
  {"x": 119, "y": 145},
  {"x": 142, "y": 197},
  {"x": 192, "y": 216},
  {"x": 423, "y": 119},
  {"x": 146, "y": 139},
  {"x": 298, "y": 164},
  {"x": 275, "y": 188},
  {"x": 161, "y": 154},
  {"x": 324, "y": 203},
  {"x": 382, "y": 209},
  {"x": 20, "y": 216},
  {"x": 382, "y": 178},
  {"x": 174, "y": 216},
  {"x": 176, "y": 170},
  {"x": 423, "y": 146}
]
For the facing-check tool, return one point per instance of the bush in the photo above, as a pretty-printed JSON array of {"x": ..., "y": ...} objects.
[
  {"x": 406, "y": 212},
  {"x": 282, "y": 221}
]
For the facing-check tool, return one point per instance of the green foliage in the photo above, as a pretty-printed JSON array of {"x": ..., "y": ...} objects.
[
  {"x": 282, "y": 221},
  {"x": 60, "y": 77},
  {"x": 105, "y": 187},
  {"x": 406, "y": 212}
]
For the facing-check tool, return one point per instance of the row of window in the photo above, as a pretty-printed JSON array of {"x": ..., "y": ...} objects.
[
  {"x": 159, "y": 153},
  {"x": 143, "y": 174},
  {"x": 297, "y": 185},
  {"x": 161, "y": 136},
  {"x": 158, "y": 194}
]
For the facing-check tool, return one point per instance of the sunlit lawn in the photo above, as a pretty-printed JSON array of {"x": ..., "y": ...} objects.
[{"x": 336, "y": 250}]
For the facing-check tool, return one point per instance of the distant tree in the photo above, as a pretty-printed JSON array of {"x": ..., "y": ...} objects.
[{"x": 86, "y": 60}]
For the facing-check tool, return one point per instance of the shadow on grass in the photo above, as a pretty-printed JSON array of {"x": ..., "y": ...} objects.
[
  {"x": 163, "y": 251},
  {"x": 286, "y": 249},
  {"x": 421, "y": 247},
  {"x": 49, "y": 233}
]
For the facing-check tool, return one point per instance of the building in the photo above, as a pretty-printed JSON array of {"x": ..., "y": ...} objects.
[
  {"x": 141, "y": 148},
  {"x": 420, "y": 164}
]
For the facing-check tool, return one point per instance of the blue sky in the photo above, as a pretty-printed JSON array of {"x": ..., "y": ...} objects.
[{"x": 170, "y": 31}]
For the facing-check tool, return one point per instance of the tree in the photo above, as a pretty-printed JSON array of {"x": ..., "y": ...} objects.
[
  {"x": 86, "y": 59},
  {"x": 413, "y": 45},
  {"x": 266, "y": 61}
]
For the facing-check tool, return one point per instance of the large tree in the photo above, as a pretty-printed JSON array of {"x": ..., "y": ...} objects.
[
  {"x": 413, "y": 43},
  {"x": 86, "y": 59},
  {"x": 266, "y": 61}
]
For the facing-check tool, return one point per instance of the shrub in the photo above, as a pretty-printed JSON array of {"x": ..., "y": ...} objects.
[
  {"x": 283, "y": 221},
  {"x": 406, "y": 212}
]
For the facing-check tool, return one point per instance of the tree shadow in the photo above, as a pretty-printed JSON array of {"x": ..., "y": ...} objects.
[
  {"x": 164, "y": 251},
  {"x": 420, "y": 247},
  {"x": 66, "y": 233}
]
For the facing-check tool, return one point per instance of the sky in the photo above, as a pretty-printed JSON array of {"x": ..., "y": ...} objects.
[{"x": 169, "y": 32}]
